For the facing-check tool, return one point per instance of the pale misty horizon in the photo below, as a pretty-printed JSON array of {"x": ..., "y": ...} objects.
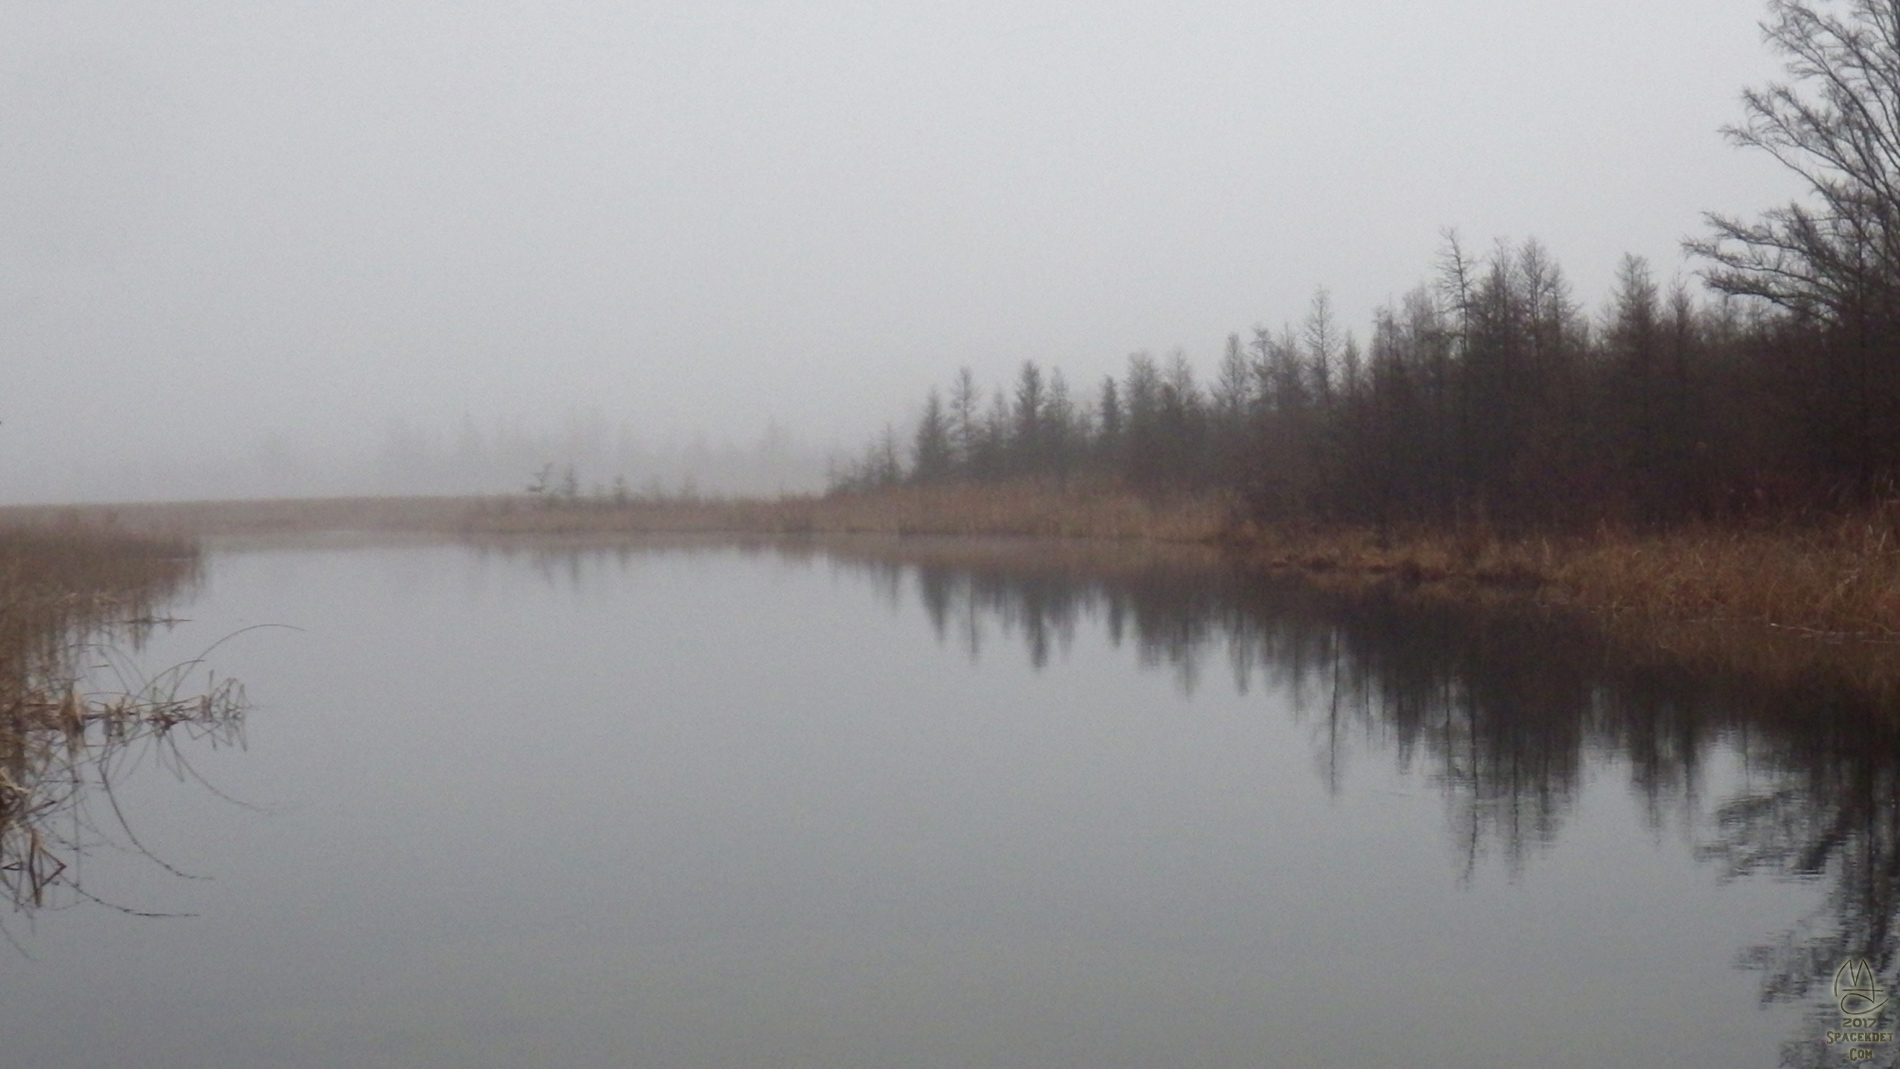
[{"x": 249, "y": 248}]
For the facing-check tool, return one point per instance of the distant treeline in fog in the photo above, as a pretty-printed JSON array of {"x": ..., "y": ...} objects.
[
  {"x": 1490, "y": 395},
  {"x": 596, "y": 456}
]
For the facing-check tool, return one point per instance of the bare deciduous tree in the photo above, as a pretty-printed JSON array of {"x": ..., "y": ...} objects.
[
  {"x": 1833, "y": 259},
  {"x": 1836, "y": 124}
]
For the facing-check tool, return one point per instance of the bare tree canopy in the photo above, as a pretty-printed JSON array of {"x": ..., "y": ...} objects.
[{"x": 1836, "y": 123}]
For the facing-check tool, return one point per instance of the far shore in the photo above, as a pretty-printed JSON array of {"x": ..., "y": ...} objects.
[{"x": 1833, "y": 580}]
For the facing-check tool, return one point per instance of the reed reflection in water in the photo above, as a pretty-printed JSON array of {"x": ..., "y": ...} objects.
[{"x": 69, "y": 601}]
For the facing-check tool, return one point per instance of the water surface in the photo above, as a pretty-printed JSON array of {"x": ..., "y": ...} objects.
[{"x": 724, "y": 807}]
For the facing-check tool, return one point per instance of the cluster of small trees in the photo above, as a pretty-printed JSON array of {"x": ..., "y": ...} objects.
[
  {"x": 562, "y": 490},
  {"x": 1038, "y": 429},
  {"x": 1489, "y": 394}
]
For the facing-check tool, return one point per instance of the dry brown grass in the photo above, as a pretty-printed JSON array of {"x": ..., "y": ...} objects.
[
  {"x": 195, "y": 520},
  {"x": 55, "y": 579},
  {"x": 61, "y": 590},
  {"x": 1837, "y": 579}
]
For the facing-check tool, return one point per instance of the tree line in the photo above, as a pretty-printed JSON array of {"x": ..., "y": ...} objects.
[{"x": 1489, "y": 394}]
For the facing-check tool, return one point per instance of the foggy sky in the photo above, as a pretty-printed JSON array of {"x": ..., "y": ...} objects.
[{"x": 227, "y": 226}]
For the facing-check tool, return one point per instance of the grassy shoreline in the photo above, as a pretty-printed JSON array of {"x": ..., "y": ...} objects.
[
  {"x": 1836, "y": 579},
  {"x": 64, "y": 591}
]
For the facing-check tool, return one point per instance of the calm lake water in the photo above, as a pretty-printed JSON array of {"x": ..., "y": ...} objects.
[{"x": 716, "y": 807}]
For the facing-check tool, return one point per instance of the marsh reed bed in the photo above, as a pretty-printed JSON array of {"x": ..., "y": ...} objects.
[
  {"x": 66, "y": 596},
  {"x": 1829, "y": 577},
  {"x": 1836, "y": 578}
]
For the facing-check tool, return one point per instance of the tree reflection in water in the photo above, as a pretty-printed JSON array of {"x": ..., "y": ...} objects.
[
  {"x": 1828, "y": 810},
  {"x": 1503, "y": 709}
]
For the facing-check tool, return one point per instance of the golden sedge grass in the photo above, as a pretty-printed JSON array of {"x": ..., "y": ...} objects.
[{"x": 63, "y": 593}]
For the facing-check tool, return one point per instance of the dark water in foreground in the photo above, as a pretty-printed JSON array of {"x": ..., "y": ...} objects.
[{"x": 718, "y": 808}]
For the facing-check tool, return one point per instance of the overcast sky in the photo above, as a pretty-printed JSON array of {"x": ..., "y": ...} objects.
[{"x": 223, "y": 219}]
